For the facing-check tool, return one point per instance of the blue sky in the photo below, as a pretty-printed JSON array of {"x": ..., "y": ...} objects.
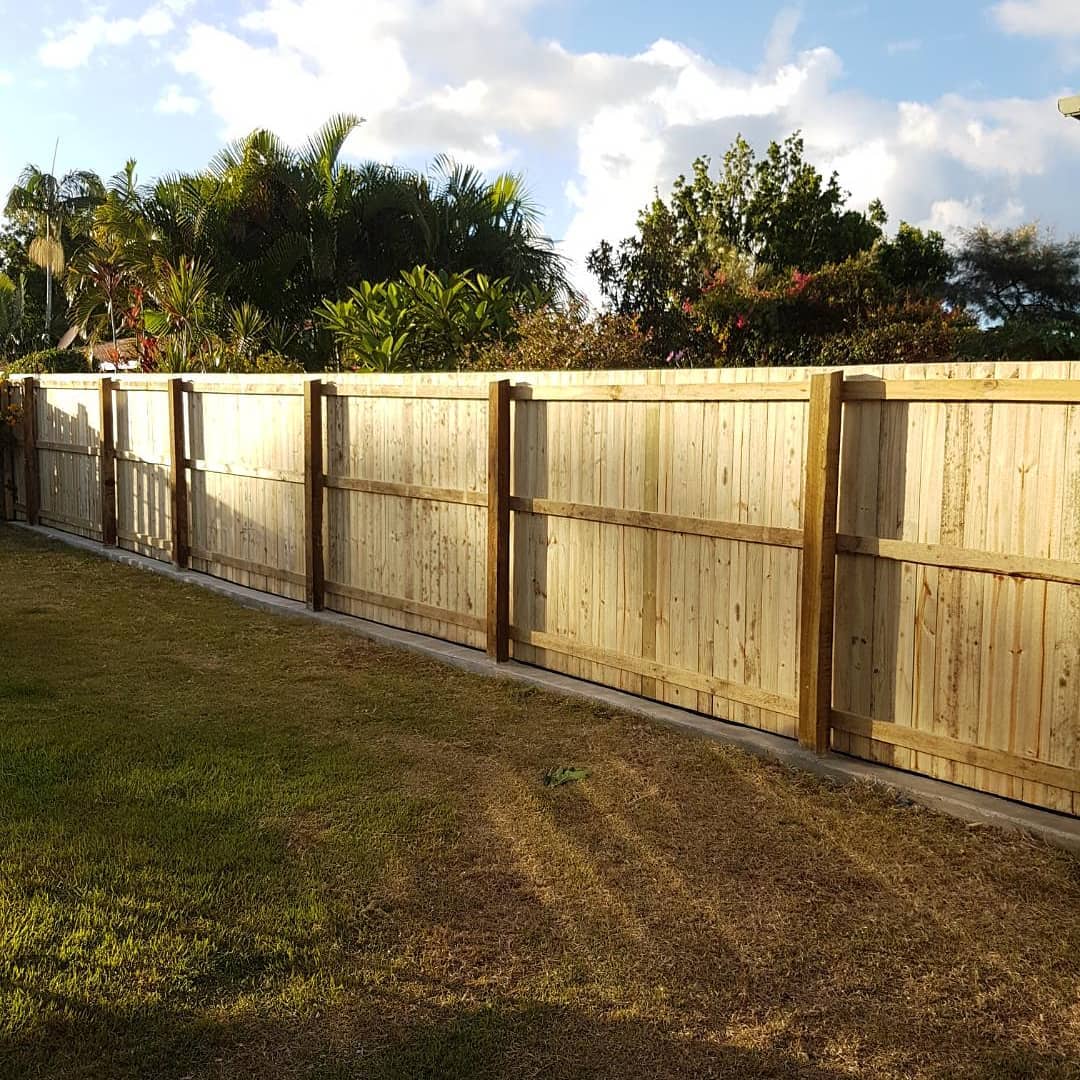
[{"x": 945, "y": 109}]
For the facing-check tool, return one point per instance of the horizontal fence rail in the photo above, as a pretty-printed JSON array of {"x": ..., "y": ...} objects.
[{"x": 883, "y": 562}]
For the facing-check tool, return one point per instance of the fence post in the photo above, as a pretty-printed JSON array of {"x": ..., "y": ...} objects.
[
  {"x": 819, "y": 559},
  {"x": 178, "y": 501},
  {"x": 32, "y": 493},
  {"x": 7, "y": 453},
  {"x": 314, "y": 475},
  {"x": 498, "y": 529},
  {"x": 107, "y": 463}
]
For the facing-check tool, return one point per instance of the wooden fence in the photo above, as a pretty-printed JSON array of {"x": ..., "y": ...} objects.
[{"x": 884, "y": 562}]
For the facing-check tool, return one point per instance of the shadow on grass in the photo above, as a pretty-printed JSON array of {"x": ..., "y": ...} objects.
[
  {"x": 502, "y": 1040},
  {"x": 453, "y": 1043}
]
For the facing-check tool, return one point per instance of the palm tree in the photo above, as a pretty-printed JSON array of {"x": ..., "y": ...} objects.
[
  {"x": 47, "y": 203},
  {"x": 493, "y": 227}
]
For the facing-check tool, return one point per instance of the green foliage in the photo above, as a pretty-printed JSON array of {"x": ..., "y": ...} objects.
[
  {"x": 1014, "y": 273},
  {"x": 779, "y": 209},
  {"x": 1026, "y": 338},
  {"x": 182, "y": 313},
  {"x": 52, "y": 208},
  {"x": 757, "y": 219},
  {"x": 277, "y": 230},
  {"x": 15, "y": 263},
  {"x": 274, "y": 363},
  {"x": 50, "y": 362},
  {"x": 766, "y": 264},
  {"x": 560, "y": 338},
  {"x": 424, "y": 321},
  {"x": 12, "y": 314},
  {"x": 915, "y": 260},
  {"x": 847, "y": 313}
]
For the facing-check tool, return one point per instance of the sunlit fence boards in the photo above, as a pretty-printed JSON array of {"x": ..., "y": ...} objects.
[{"x": 660, "y": 526}]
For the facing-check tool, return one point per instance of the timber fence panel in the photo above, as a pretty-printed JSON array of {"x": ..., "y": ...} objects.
[
  {"x": 143, "y": 510},
  {"x": 958, "y": 578},
  {"x": 245, "y": 482},
  {"x": 652, "y": 551},
  {"x": 656, "y": 533},
  {"x": 406, "y": 503}
]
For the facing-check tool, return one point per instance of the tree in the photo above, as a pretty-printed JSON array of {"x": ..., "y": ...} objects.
[
  {"x": 915, "y": 260},
  {"x": 756, "y": 219},
  {"x": 49, "y": 205},
  {"x": 282, "y": 229},
  {"x": 1017, "y": 273}
]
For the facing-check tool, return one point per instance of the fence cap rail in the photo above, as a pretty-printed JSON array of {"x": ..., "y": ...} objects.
[
  {"x": 792, "y": 390},
  {"x": 1032, "y": 391}
]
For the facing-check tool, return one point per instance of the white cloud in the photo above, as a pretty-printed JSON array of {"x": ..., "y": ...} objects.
[
  {"x": 952, "y": 216},
  {"x": 599, "y": 132},
  {"x": 174, "y": 100},
  {"x": 77, "y": 41},
  {"x": 778, "y": 45},
  {"x": 1039, "y": 18}
]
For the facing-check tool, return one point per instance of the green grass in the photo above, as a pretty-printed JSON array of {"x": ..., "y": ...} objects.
[{"x": 235, "y": 845}]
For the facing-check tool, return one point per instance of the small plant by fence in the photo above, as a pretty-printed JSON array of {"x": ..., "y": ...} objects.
[{"x": 883, "y": 563}]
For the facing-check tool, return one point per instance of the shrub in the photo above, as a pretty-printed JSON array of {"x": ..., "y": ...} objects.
[
  {"x": 421, "y": 322},
  {"x": 847, "y": 313},
  {"x": 555, "y": 339},
  {"x": 50, "y": 362},
  {"x": 274, "y": 363}
]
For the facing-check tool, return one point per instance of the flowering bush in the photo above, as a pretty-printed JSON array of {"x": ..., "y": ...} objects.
[
  {"x": 847, "y": 313},
  {"x": 554, "y": 339}
]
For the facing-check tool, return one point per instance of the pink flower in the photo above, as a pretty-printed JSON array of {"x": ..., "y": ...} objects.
[
  {"x": 741, "y": 322},
  {"x": 687, "y": 307}
]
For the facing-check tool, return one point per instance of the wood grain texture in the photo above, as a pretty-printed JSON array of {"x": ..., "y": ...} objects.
[
  {"x": 178, "y": 489},
  {"x": 107, "y": 465},
  {"x": 7, "y": 452},
  {"x": 31, "y": 485},
  {"x": 819, "y": 559},
  {"x": 314, "y": 572},
  {"x": 1046, "y": 391},
  {"x": 650, "y": 519},
  {"x": 1007, "y": 762},
  {"x": 498, "y": 521},
  {"x": 656, "y": 533}
]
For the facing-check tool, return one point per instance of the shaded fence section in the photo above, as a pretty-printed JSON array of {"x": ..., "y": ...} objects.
[{"x": 881, "y": 561}]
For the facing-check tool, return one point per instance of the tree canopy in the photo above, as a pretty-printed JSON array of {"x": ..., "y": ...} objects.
[
  {"x": 274, "y": 255},
  {"x": 261, "y": 237}
]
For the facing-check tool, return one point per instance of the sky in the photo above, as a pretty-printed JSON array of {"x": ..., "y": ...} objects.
[{"x": 945, "y": 109}]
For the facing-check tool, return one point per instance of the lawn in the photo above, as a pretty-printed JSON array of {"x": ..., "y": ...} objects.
[{"x": 239, "y": 845}]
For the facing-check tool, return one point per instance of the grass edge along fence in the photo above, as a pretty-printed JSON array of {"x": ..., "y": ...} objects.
[{"x": 883, "y": 562}]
